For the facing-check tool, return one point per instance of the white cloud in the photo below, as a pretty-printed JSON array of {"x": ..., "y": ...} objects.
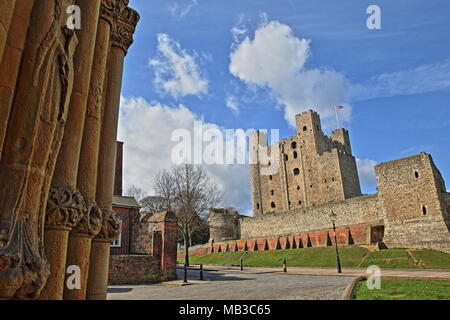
[
  {"x": 182, "y": 9},
  {"x": 422, "y": 79},
  {"x": 275, "y": 59},
  {"x": 366, "y": 172},
  {"x": 232, "y": 103},
  {"x": 176, "y": 71},
  {"x": 146, "y": 128}
]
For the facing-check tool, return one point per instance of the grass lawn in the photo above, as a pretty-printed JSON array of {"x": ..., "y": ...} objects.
[
  {"x": 405, "y": 290},
  {"x": 351, "y": 257}
]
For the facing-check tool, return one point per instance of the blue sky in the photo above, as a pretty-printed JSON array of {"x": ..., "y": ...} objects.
[{"x": 256, "y": 63}]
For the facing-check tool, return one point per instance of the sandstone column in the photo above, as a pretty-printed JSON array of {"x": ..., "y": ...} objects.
[
  {"x": 88, "y": 165},
  {"x": 65, "y": 175},
  {"x": 6, "y": 12},
  {"x": 33, "y": 139},
  {"x": 10, "y": 64},
  {"x": 121, "y": 37}
]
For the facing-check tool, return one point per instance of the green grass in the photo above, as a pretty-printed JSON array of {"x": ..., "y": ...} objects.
[
  {"x": 405, "y": 290},
  {"x": 351, "y": 257}
]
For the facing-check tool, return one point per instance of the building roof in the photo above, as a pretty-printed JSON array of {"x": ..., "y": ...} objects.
[{"x": 125, "y": 202}]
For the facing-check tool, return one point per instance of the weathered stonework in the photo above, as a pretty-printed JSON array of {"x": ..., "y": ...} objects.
[
  {"x": 52, "y": 86},
  {"x": 292, "y": 207}
]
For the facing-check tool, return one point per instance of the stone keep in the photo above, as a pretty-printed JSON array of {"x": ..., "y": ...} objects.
[
  {"x": 312, "y": 169},
  {"x": 317, "y": 175}
]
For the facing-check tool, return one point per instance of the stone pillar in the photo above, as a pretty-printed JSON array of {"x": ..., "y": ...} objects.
[
  {"x": 10, "y": 64},
  {"x": 169, "y": 230},
  {"x": 121, "y": 39},
  {"x": 65, "y": 175},
  {"x": 79, "y": 249},
  {"x": 6, "y": 12},
  {"x": 64, "y": 209},
  {"x": 34, "y": 135}
]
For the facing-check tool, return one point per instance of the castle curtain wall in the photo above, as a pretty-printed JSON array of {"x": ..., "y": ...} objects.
[{"x": 52, "y": 86}]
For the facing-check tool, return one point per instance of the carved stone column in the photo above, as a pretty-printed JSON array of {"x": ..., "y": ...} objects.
[
  {"x": 122, "y": 38},
  {"x": 6, "y": 12},
  {"x": 10, "y": 64},
  {"x": 65, "y": 175},
  {"x": 79, "y": 249},
  {"x": 33, "y": 139},
  {"x": 88, "y": 162},
  {"x": 64, "y": 209}
]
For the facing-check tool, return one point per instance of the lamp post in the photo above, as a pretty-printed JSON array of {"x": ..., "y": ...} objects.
[{"x": 338, "y": 260}]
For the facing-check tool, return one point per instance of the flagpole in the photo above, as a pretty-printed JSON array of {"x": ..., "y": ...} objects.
[{"x": 337, "y": 117}]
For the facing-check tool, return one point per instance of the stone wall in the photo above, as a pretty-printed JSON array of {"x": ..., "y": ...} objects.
[
  {"x": 360, "y": 210},
  {"x": 414, "y": 200},
  {"x": 134, "y": 269}
]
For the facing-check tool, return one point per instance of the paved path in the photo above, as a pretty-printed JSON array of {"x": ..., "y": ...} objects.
[
  {"x": 385, "y": 273},
  {"x": 230, "y": 285}
]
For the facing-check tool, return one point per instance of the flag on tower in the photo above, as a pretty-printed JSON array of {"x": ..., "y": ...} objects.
[{"x": 340, "y": 107}]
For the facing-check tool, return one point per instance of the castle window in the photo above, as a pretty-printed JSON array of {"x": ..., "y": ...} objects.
[
  {"x": 332, "y": 179},
  {"x": 295, "y": 154},
  {"x": 273, "y": 205},
  {"x": 270, "y": 163},
  {"x": 416, "y": 174},
  {"x": 272, "y": 192},
  {"x": 296, "y": 171},
  {"x": 294, "y": 145},
  {"x": 424, "y": 210},
  {"x": 270, "y": 177},
  {"x": 257, "y": 206},
  {"x": 298, "y": 187},
  {"x": 300, "y": 202},
  {"x": 305, "y": 128}
]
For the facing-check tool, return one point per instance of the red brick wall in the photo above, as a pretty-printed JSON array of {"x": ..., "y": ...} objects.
[
  {"x": 128, "y": 217},
  {"x": 127, "y": 269}
]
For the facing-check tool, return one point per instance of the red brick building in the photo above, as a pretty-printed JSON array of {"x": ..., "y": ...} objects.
[{"x": 146, "y": 250}]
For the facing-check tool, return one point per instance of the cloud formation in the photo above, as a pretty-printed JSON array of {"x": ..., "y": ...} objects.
[
  {"x": 147, "y": 128},
  {"x": 181, "y": 9},
  {"x": 276, "y": 59},
  {"x": 177, "y": 72}
]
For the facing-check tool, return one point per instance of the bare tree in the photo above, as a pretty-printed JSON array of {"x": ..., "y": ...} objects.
[
  {"x": 137, "y": 192},
  {"x": 190, "y": 193}
]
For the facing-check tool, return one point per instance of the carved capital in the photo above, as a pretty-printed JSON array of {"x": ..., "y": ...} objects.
[
  {"x": 90, "y": 222},
  {"x": 65, "y": 206},
  {"x": 111, "y": 225},
  {"x": 124, "y": 28},
  {"x": 110, "y": 10}
]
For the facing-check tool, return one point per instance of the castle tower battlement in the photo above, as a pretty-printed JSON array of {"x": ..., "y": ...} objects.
[{"x": 312, "y": 169}]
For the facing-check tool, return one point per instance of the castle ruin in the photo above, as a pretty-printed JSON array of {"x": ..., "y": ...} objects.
[{"x": 317, "y": 176}]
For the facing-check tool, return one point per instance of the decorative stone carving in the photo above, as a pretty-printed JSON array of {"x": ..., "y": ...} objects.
[
  {"x": 111, "y": 9},
  {"x": 65, "y": 207},
  {"x": 123, "y": 30},
  {"x": 91, "y": 220},
  {"x": 38, "y": 116},
  {"x": 110, "y": 229}
]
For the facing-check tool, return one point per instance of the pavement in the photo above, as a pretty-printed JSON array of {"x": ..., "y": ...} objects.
[
  {"x": 261, "y": 283},
  {"x": 427, "y": 274},
  {"x": 232, "y": 285}
]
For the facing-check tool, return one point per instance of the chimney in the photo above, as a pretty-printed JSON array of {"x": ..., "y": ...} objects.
[{"x": 119, "y": 170}]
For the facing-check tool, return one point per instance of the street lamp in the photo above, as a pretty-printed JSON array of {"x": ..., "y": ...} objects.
[{"x": 338, "y": 260}]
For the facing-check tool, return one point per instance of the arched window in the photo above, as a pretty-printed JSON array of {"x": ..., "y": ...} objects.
[
  {"x": 298, "y": 187},
  {"x": 270, "y": 177},
  {"x": 257, "y": 206},
  {"x": 294, "y": 145},
  {"x": 305, "y": 128},
  {"x": 273, "y": 205},
  {"x": 295, "y": 154},
  {"x": 424, "y": 210},
  {"x": 296, "y": 171},
  {"x": 300, "y": 202},
  {"x": 272, "y": 192},
  {"x": 416, "y": 174}
]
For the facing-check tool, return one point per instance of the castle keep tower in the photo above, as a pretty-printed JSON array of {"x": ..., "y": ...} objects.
[{"x": 312, "y": 169}]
